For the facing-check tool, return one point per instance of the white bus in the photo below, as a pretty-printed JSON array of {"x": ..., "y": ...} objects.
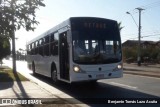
[{"x": 79, "y": 49}]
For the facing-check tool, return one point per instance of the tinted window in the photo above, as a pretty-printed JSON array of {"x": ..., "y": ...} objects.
[
  {"x": 54, "y": 44},
  {"x": 95, "y": 41}
]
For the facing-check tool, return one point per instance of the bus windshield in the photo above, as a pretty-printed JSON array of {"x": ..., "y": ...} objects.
[{"x": 92, "y": 45}]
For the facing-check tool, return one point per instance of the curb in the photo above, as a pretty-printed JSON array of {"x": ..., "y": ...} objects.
[
  {"x": 130, "y": 69},
  {"x": 142, "y": 73}
]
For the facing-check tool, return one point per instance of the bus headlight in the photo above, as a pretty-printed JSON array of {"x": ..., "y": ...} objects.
[
  {"x": 119, "y": 67},
  {"x": 76, "y": 69}
]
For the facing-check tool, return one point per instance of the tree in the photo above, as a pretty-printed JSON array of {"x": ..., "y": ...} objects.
[
  {"x": 4, "y": 47},
  {"x": 120, "y": 27},
  {"x": 15, "y": 14}
]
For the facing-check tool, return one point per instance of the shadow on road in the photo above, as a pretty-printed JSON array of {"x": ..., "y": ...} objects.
[{"x": 85, "y": 91}]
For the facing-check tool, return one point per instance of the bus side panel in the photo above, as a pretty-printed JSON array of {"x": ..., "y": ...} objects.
[
  {"x": 29, "y": 62},
  {"x": 43, "y": 64}
]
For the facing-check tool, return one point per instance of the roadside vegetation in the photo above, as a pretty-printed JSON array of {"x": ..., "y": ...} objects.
[
  {"x": 148, "y": 55},
  {"x": 7, "y": 75},
  {"x": 16, "y": 15},
  {"x": 4, "y": 47}
]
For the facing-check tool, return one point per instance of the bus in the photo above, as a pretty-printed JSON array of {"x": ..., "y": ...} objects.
[{"x": 77, "y": 50}]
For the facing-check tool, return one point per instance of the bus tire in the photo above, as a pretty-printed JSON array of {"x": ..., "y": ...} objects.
[
  {"x": 93, "y": 82},
  {"x": 33, "y": 68},
  {"x": 54, "y": 76}
]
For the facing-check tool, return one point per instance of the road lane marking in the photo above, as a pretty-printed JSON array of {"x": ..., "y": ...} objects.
[{"x": 123, "y": 85}]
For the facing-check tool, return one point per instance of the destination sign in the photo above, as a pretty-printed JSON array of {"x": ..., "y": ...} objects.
[{"x": 95, "y": 25}]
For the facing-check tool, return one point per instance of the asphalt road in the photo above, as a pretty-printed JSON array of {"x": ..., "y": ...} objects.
[{"x": 130, "y": 86}]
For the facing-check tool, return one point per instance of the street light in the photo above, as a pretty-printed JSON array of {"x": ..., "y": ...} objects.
[
  {"x": 139, "y": 34},
  {"x": 132, "y": 18}
]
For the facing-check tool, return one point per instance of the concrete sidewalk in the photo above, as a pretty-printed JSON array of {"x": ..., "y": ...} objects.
[
  {"x": 29, "y": 89},
  {"x": 152, "y": 70},
  {"x": 23, "y": 90}
]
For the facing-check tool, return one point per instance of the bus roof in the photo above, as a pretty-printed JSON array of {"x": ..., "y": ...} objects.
[
  {"x": 50, "y": 31},
  {"x": 64, "y": 24}
]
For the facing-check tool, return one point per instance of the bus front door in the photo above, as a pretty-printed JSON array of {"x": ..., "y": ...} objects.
[{"x": 63, "y": 56}]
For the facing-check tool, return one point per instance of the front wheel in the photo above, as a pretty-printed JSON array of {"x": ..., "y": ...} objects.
[{"x": 93, "y": 82}]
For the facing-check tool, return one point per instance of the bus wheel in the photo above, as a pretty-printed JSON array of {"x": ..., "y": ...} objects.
[
  {"x": 33, "y": 68},
  {"x": 93, "y": 82},
  {"x": 54, "y": 76}
]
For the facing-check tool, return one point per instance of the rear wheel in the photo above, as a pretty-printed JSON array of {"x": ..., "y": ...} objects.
[
  {"x": 33, "y": 68},
  {"x": 54, "y": 76}
]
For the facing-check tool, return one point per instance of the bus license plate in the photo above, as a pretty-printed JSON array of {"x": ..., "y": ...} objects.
[{"x": 100, "y": 76}]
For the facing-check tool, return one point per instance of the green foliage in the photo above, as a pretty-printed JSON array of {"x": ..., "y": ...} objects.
[
  {"x": 6, "y": 75},
  {"x": 4, "y": 47},
  {"x": 130, "y": 53},
  {"x": 149, "y": 54},
  {"x": 158, "y": 56},
  {"x": 146, "y": 52},
  {"x": 15, "y": 14},
  {"x": 120, "y": 27}
]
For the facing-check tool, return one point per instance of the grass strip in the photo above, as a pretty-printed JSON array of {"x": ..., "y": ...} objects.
[{"x": 7, "y": 75}]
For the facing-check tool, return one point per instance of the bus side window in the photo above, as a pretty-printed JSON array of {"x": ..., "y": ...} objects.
[
  {"x": 29, "y": 49},
  {"x": 41, "y": 47},
  {"x": 56, "y": 39},
  {"x": 51, "y": 43},
  {"x": 46, "y": 46},
  {"x": 46, "y": 39},
  {"x": 36, "y": 47},
  {"x": 56, "y": 36},
  {"x": 55, "y": 48},
  {"x": 54, "y": 44},
  {"x": 33, "y": 49},
  {"x": 52, "y": 37}
]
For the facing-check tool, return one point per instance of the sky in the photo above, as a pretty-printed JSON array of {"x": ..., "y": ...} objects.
[{"x": 57, "y": 11}]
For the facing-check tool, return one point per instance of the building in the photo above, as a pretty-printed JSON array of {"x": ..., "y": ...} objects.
[{"x": 144, "y": 44}]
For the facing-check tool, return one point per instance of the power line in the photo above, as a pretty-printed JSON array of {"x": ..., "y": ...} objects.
[
  {"x": 143, "y": 33},
  {"x": 150, "y": 35},
  {"x": 151, "y": 5},
  {"x": 146, "y": 7},
  {"x": 147, "y": 36}
]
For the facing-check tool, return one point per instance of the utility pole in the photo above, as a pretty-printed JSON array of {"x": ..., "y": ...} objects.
[
  {"x": 139, "y": 37},
  {"x": 13, "y": 41}
]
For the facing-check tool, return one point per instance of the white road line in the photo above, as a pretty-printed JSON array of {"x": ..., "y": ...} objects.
[{"x": 123, "y": 85}]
